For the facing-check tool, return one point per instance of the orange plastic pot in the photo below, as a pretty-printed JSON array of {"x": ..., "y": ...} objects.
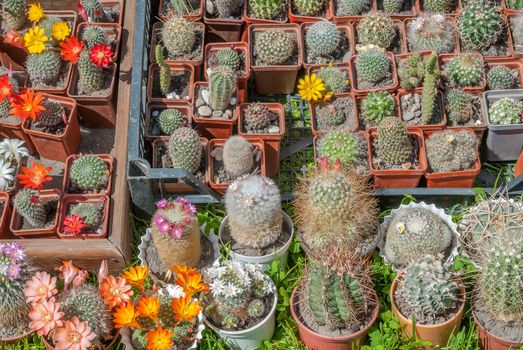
[
  {"x": 174, "y": 67},
  {"x": 107, "y": 158},
  {"x": 448, "y": 18},
  {"x": 69, "y": 200},
  {"x": 182, "y": 107},
  {"x": 316, "y": 341},
  {"x": 354, "y": 78},
  {"x": 219, "y": 30},
  {"x": 510, "y": 63},
  {"x": 478, "y": 129},
  {"x": 57, "y": 147},
  {"x": 489, "y": 341},
  {"x": 14, "y": 131},
  {"x": 437, "y": 334},
  {"x": 5, "y": 216},
  {"x": 456, "y": 12},
  {"x": 400, "y": 16},
  {"x": 272, "y": 142},
  {"x": 399, "y": 178},
  {"x": 297, "y": 18},
  {"x": 251, "y": 20},
  {"x": 17, "y": 220},
  {"x": 447, "y": 57},
  {"x": 314, "y": 124},
  {"x": 518, "y": 168},
  {"x": 111, "y": 29},
  {"x": 193, "y": 17},
  {"x": 211, "y": 49},
  {"x": 439, "y": 126}
]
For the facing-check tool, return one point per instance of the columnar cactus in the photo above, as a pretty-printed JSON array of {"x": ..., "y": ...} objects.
[
  {"x": 431, "y": 32},
  {"x": 222, "y": 84},
  {"x": 502, "y": 78},
  {"x": 44, "y": 68},
  {"x": 94, "y": 9},
  {"x": 165, "y": 70},
  {"x": 430, "y": 89},
  {"x": 465, "y": 70},
  {"x": 335, "y": 79},
  {"x": 376, "y": 29},
  {"x": 411, "y": 71},
  {"x": 275, "y": 47},
  {"x": 178, "y": 36},
  {"x": 322, "y": 38},
  {"x": 506, "y": 111},
  {"x": 31, "y": 208},
  {"x": 257, "y": 116},
  {"x": 228, "y": 57},
  {"x": 267, "y": 9},
  {"x": 14, "y": 16},
  {"x": 94, "y": 35},
  {"x": 451, "y": 150},
  {"x": 308, "y": 7},
  {"x": 90, "y": 213},
  {"x": 460, "y": 106},
  {"x": 394, "y": 145},
  {"x": 372, "y": 65},
  {"x": 438, "y": 6},
  {"x": 392, "y": 6},
  {"x": 90, "y": 76},
  {"x": 89, "y": 173},
  {"x": 185, "y": 149},
  {"x": 238, "y": 158},
  {"x": 339, "y": 145},
  {"x": 52, "y": 116},
  {"x": 378, "y": 105},
  {"x": 228, "y": 8},
  {"x": 254, "y": 211},
  {"x": 480, "y": 25},
  {"x": 352, "y": 7},
  {"x": 170, "y": 120}
]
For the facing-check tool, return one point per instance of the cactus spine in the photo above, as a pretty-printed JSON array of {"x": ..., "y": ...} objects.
[
  {"x": 308, "y": 7},
  {"x": 465, "y": 70},
  {"x": 450, "y": 150},
  {"x": 94, "y": 9},
  {"x": 44, "y": 68},
  {"x": 352, "y": 7},
  {"x": 322, "y": 38},
  {"x": 91, "y": 213},
  {"x": 502, "y": 78},
  {"x": 394, "y": 145},
  {"x": 238, "y": 158},
  {"x": 94, "y": 35},
  {"x": 52, "y": 116},
  {"x": 14, "y": 13},
  {"x": 275, "y": 47},
  {"x": 372, "y": 65},
  {"x": 257, "y": 116},
  {"x": 31, "y": 208},
  {"x": 178, "y": 36},
  {"x": 185, "y": 149},
  {"x": 89, "y": 173},
  {"x": 222, "y": 84},
  {"x": 460, "y": 107},
  {"x": 339, "y": 145},
  {"x": 429, "y": 93},
  {"x": 376, "y": 28},
  {"x": 90, "y": 76},
  {"x": 165, "y": 71},
  {"x": 170, "y": 120},
  {"x": 267, "y": 9}
]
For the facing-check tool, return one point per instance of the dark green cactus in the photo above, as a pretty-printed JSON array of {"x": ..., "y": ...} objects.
[
  {"x": 339, "y": 145},
  {"x": 170, "y": 120},
  {"x": 460, "y": 107},
  {"x": 52, "y": 116},
  {"x": 394, "y": 145},
  {"x": 165, "y": 71},
  {"x": 267, "y": 9},
  {"x": 430, "y": 91},
  {"x": 480, "y": 25},
  {"x": 308, "y": 7},
  {"x": 465, "y": 70},
  {"x": 185, "y": 149},
  {"x": 89, "y": 173},
  {"x": 378, "y": 105},
  {"x": 372, "y": 65},
  {"x": 502, "y": 78},
  {"x": 94, "y": 10},
  {"x": 228, "y": 57}
]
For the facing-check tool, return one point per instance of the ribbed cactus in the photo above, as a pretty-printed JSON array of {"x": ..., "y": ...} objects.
[
  {"x": 505, "y": 111},
  {"x": 392, "y": 6},
  {"x": 222, "y": 84},
  {"x": 431, "y": 32},
  {"x": 339, "y": 145},
  {"x": 267, "y": 9},
  {"x": 257, "y": 116},
  {"x": 275, "y": 47},
  {"x": 228, "y": 8},
  {"x": 90, "y": 213},
  {"x": 178, "y": 36},
  {"x": 411, "y": 71},
  {"x": 89, "y": 173},
  {"x": 378, "y": 105},
  {"x": 460, "y": 107},
  {"x": 170, "y": 120},
  {"x": 465, "y": 70},
  {"x": 438, "y": 6},
  {"x": 44, "y": 68},
  {"x": 185, "y": 149},
  {"x": 94, "y": 35},
  {"x": 372, "y": 65},
  {"x": 90, "y": 76},
  {"x": 308, "y": 7},
  {"x": 13, "y": 15},
  {"x": 165, "y": 71},
  {"x": 377, "y": 29},
  {"x": 451, "y": 150},
  {"x": 352, "y": 7},
  {"x": 502, "y": 78},
  {"x": 480, "y": 25},
  {"x": 334, "y": 78},
  {"x": 94, "y": 10},
  {"x": 52, "y": 116},
  {"x": 413, "y": 233},
  {"x": 228, "y": 57},
  {"x": 394, "y": 145},
  {"x": 254, "y": 211},
  {"x": 28, "y": 205},
  {"x": 238, "y": 158},
  {"x": 330, "y": 116},
  {"x": 322, "y": 38},
  {"x": 430, "y": 88}
]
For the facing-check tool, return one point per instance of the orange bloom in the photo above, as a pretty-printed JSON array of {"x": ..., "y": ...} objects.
[
  {"x": 6, "y": 88},
  {"x": 45, "y": 316},
  {"x": 136, "y": 276},
  {"x": 190, "y": 280},
  {"x": 74, "y": 335},
  {"x": 115, "y": 291},
  {"x": 125, "y": 316},
  {"x": 149, "y": 307},
  {"x": 159, "y": 339},
  {"x": 40, "y": 287},
  {"x": 71, "y": 49},
  {"x": 34, "y": 177},
  {"x": 27, "y": 104},
  {"x": 185, "y": 309}
]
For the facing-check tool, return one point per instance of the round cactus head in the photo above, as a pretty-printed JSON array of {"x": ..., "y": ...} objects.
[
  {"x": 228, "y": 57},
  {"x": 178, "y": 36},
  {"x": 335, "y": 79},
  {"x": 308, "y": 7},
  {"x": 170, "y": 120},
  {"x": 94, "y": 35},
  {"x": 460, "y": 106},
  {"x": 89, "y": 173},
  {"x": 238, "y": 157},
  {"x": 275, "y": 47},
  {"x": 431, "y": 32},
  {"x": 322, "y": 38},
  {"x": 376, "y": 28},
  {"x": 450, "y": 150},
  {"x": 44, "y": 68},
  {"x": 267, "y": 9},
  {"x": 480, "y": 25},
  {"x": 465, "y": 70},
  {"x": 257, "y": 116},
  {"x": 28, "y": 205},
  {"x": 505, "y": 111},
  {"x": 372, "y": 65},
  {"x": 502, "y": 78},
  {"x": 339, "y": 145},
  {"x": 352, "y": 7},
  {"x": 394, "y": 145},
  {"x": 52, "y": 116}
]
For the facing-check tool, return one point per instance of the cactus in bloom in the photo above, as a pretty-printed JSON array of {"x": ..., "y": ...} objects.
[
  {"x": 222, "y": 84},
  {"x": 394, "y": 145},
  {"x": 480, "y": 25},
  {"x": 44, "y": 68},
  {"x": 465, "y": 70},
  {"x": 5, "y": 104},
  {"x": 170, "y": 120},
  {"x": 335, "y": 79},
  {"x": 438, "y": 6},
  {"x": 229, "y": 8},
  {"x": 431, "y": 32},
  {"x": 94, "y": 35},
  {"x": 378, "y": 105},
  {"x": 165, "y": 71},
  {"x": 352, "y": 7},
  {"x": 505, "y": 111},
  {"x": 267, "y": 9},
  {"x": 94, "y": 9},
  {"x": 47, "y": 24},
  {"x": 275, "y": 47},
  {"x": 308, "y": 7},
  {"x": 31, "y": 208},
  {"x": 339, "y": 145},
  {"x": 228, "y": 57},
  {"x": 377, "y": 29},
  {"x": 178, "y": 36},
  {"x": 372, "y": 65},
  {"x": 91, "y": 213},
  {"x": 90, "y": 76},
  {"x": 257, "y": 116},
  {"x": 430, "y": 89},
  {"x": 413, "y": 233},
  {"x": 238, "y": 158},
  {"x": 322, "y": 38},
  {"x": 460, "y": 106},
  {"x": 52, "y": 116},
  {"x": 451, "y": 150},
  {"x": 502, "y": 78},
  {"x": 14, "y": 16},
  {"x": 392, "y": 6},
  {"x": 89, "y": 173},
  {"x": 254, "y": 211},
  {"x": 411, "y": 71},
  {"x": 185, "y": 149}
]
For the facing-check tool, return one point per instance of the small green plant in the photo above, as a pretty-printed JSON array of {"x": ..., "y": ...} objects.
[
  {"x": 178, "y": 36},
  {"x": 257, "y": 116},
  {"x": 331, "y": 116},
  {"x": 502, "y": 78},
  {"x": 90, "y": 76},
  {"x": 238, "y": 158},
  {"x": 505, "y": 111},
  {"x": 411, "y": 71},
  {"x": 28, "y": 205},
  {"x": 480, "y": 25},
  {"x": 89, "y": 173},
  {"x": 352, "y": 7},
  {"x": 308, "y": 7},
  {"x": 465, "y": 70},
  {"x": 165, "y": 71},
  {"x": 94, "y": 35},
  {"x": 460, "y": 106},
  {"x": 275, "y": 47},
  {"x": 222, "y": 84},
  {"x": 339, "y": 145},
  {"x": 430, "y": 88},
  {"x": 185, "y": 149},
  {"x": 394, "y": 145},
  {"x": 378, "y": 105},
  {"x": 228, "y": 57},
  {"x": 376, "y": 28},
  {"x": 392, "y": 6},
  {"x": 13, "y": 15},
  {"x": 438, "y": 6},
  {"x": 94, "y": 10},
  {"x": 372, "y": 65},
  {"x": 52, "y": 116},
  {"x": 267, "y": 9},
  {"x": 44, "y": 68},
  {"x": 334, "y": 78},
  {"x": 90, "y": 213},
  {"x": 170, "y": 120},
  {"x": 322, "y": 38},
  {"x": 451, "y": 150},
  {"x": 431, "y": 32}
]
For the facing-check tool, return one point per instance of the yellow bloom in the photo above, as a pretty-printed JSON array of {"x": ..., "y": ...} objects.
[
  {"x": 35, "y": 12},
  {"x": 35, "y": 40},
  {"x": 60, "y": 30},
  {"x": 311, "y": 88}
]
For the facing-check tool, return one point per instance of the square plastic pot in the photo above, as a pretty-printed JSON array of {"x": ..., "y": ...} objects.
[
  {"x": 173, "y": 67},
  {"x": 343, "y": 66},
  {"x": 211, "y": 49},
  {"x": 314, "y": 123},
  {"x": 511, "y": 63},
  {"x": 219, "y": 30},
  {"x": 516, "y": 51},
  {"x": 354, "y": 78},
  {"x": 108, "y": 159},
  {"x": 400, "y": 16},
  {"x": 17, "y": 220},
  {"x": 5, "y": 216},
  {"x": 400, "y": 31},
  {"x": 347, "y": 19},
  {"x": 478, "y": 129},
  {"x": 182, "y": 107},
  {"x": 447, "y": 57},
  {"x": 69, "y": 200}
]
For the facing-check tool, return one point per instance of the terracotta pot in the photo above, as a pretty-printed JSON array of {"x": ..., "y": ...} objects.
[
  {"x": 448, "y": 18},
  {"x": 489, "y": 341},
  {"x": 316, "y": 341},
  {"x": 347, "y": 31},
  {"x": 456, "y": 12},
  {"x": 399, "y": 178},
  {"x": 347, "y": 19},
  {"x": 297, "y": 18},
  {"x": 343, "y": 66},
  {"x": 182, "y": 107},
  {"x": 69, "y": 200},
  {"x": 5, "y": 216},
  {"x": 400, "y": 26},
  {"x": 447, "y": 57},
  {"x": 272, "y": 142},
  {"x": 213, "y": 128},
  {"x": 276, "y": 79},
  {"x": 437, "y": 334},
  {"x": 193, "y": 17},
  {"x": 510, "y": 63},
  {"x": 400, "y": 16},
  {"x": 211, "y": 49},
  {"x": 107, "y": 158},
  {"x": 14, "y": 131},
  {"x": 354, "y": 78},
  {"x": 17, "y": 220},
  {"x": 174, "y": 67},
  {"x": 222, "y": 187},
  {"x": 48, "y": 346},
  {"x": 57, "y": 147},
  {"x": 439, "y": 126},
  {"x": 111, "y": 29},
  {"x": 96, "y": 111},
  {"x": 314, "y": 124},
  {"x": 478, "y": 129},
  {"x": 251, "y": 20},
  {"x": 219, "y": 30}
]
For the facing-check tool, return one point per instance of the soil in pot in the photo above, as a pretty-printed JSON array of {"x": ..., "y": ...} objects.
[
  {"x": 203, "y": 110},
  {"x": 411, "y": 110},
  {"x": 211, "y": 11},
  {"x": 407, "y": 8},
  {"x": 112, "y": 12},
  {"x": 164, "y": 160},
  {"x": 257, "y": 61},
  {"x": 476, "y": 113},
  {"x": 51, "y": 207},
  {"x": 344, "y": 105},
  {"x": 61, "y": 82},
  {"x": 220, "y": 175},
  {"x": 341, "y": 54},
  {"x": 411, "y": 164},
  {"x": 197, "y": 50},
  {"x": 395, "y": 46},
  {"x": 154, "y": 125},
  {"x": 79, "y": 90},
  {"x": 180, "y": 85},
  {"x": 515, "y": 23},
  {"x": 511, "y": 331},
  {"x": 321, "y": 14},
  {"x": 112, "y": 35},
  {"x": 272, "y": 128},
  {"x": 213, "y": 62}
]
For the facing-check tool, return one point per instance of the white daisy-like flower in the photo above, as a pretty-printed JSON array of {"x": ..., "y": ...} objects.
[
  {"x": 244, "y": 279},
  {"x": 217, "y": 288},
  {"x": 230, "y": 290},
  {"x": 13, "y": 149},
  {"x": 6, "y": 174},
  {"x": 174, "y": 291},
  {"x": 267, "y": 288},
  {"x": 250, "y": 268}
]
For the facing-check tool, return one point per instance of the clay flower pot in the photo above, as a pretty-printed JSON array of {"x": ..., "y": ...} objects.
[
  {"x": 314, "y": 123},
  {"x": 517, "y": 51},
  {"x": 69, "y": 200},
  {"x": 297, "y": 18},
  {"x": 183, "y": 108},
  {"x": 5, "y": 216},
  {"x": 272, "y": 142},
  {"x": 113, "y": 31},
  {"x": 14, "y": 340},
  {"x": 211, "y": 49},
  {"x": 153, "y": 81},
  {"x": 107, "y": 158},
  {"x": 276, "y": 79},
  {"x": 251, "y": 20},
  {"x": 439, "y": 101},
  {"x": 364, "y": 91},
  {"x": 110, "y": 345},
  {"x": 437, "y": 334},
  {"x": 489, "y": 341},
  {"x": 444, "y": 59},
  {"x": 399, "y": 178},
  {"x": 57, "y": 146},
  {"x": 195, "y": 16},
  {"x": 510, "y": 63},
  {"x": 318, "y": 341}
]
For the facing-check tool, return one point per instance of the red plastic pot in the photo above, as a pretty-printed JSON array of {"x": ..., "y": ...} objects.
[
  {"x": 478, "y": 129},
  {"x": 489, "y": 341},
  {"x": 439, "y": 126},
  {"x": 447, "y": 57},
  {"x": 5, "y": 216},
  {"x": 219, "y": 30},
  {"x": 297, "y": 18},
  {"x": 193, "y": 17},
  {"x": 174, "y": 67},
  {"x": 69, "y": 200},
  {"x": 17, "y": 220},
  {"x": 354, "y": 78},
  {"x": 399, "y": 178},
  {"x": 211, "y": 49},
  {"x": 510, "y": 63},
  {"x": 316, "y": 341},
  {"x": 518, "y": 168},
  {"x": 111, "y": 29},
  {"x": 57, "y": 147},
  {"x": 314, "y": 124},
  {"x": 456, "y": 12},
  {"x": 182, "y": 107},
  {"x": 251, "y": 20},
  {"x": 107, "y": 158},
  {"x": 449, "y": 19},
  {"x": 272, "y": 142}
]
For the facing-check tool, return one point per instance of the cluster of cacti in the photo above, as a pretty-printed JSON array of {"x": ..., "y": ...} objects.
[
  {"x": 267, "y": 9},
  {"x": 431, "y": 32},
  {"x": 413, "y": 233},
  {"x": 372, "y": 65},
  {"x": 394, "y": 145},
  {"x": 257, "y": 116},
  {"x": 165, "y": 71},
  {"x": 89, "y": 173},
  {"x": 339, "y": 145},
  {"x": 254, "y": 211},
  {"x": 238, "y": 158},
  {"x": 94, "y": 10},
  {"x": 228, "y": 57},
  {"x": 29, "y": 206},
  {"x": 392, "y": 6},
  {"x": 335, "y": 206},
  {"x": 505, "y": 111},
  {"x": 411, "y": 71},
  {"x": 44, "y": 68},
  {"x": 94, "y": 35},
  {"x": 430, "y": 88},
  {"x": 322, "y": 38},
  {"x": 378, "y": 105},
  {"x": 90, "y": 76},
  {"x": 185, "y": 149},
  {"x": 242, "y": 301},
  {"x": 52, "y": 116},
  {"x": 377, "y": 29},
  {"x": 480, "y": 25},
  {"x": 465, "y": 70},
  {"x": 90, "y": 213},
  {"x": 460, "y": 107},
  {"x": 222, "y": 84},
  {"x": 308, "y": 7},
  {"x": 13, "y": 15},
  {"x": 178, "y": 36},
  {"x": 502, "y": 78},
  {"x": 451, "y": 150},
  {"x": 170, "y": 120},
  {"x": 438, "y": 6},
  {"x": 334, "y": 78},
  {"x": 427, "y": 292},
  {"x": 352, "y": 7},
  {"x": 275, "y": 47},
  {"x": 228, "y": 8}
]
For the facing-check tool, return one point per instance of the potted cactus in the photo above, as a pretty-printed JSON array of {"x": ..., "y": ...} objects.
[
  {"x": 411, "y": 68},
  {"x": 241, "y": 304},
  {"x": 35, "y": 213},
  {"x": 326, "y": 43},
  {"x": 163, "y": 119},
  {"x": 84, "y": 217},
  {"x": 340, "y": 325},
  {"x": 101, "y": 11},
  {"x": 276, "y": 57},
  {"x": 432, "y": 32},
  {"x": 464, "y": 110},
  {"x": 89, "y": 174},
  {"x": 256, "y": 228},
  {"x": 428, "y": 295},
  {"x": 334, "y": 76},
  {"x": 5, "y": 215},
  {"x": 373, "y": 70},
  {"x": 100, "y": 33},
  {"x": 349, "y": 10},
  {"x": 504, "y": 75},
  {"x": 303, "y": 11},
  {"x": 48, "y": 72},
  {"x": 397, "y": 9},
  {"x": 191, "y": 10},
  {"x": 451, "y": 7},
  {"x": 169, "y": 82},
  {"x": 265, "y": 12},
  {"x": 12, "y": 158},
  {"x": 339, "y": 113},
  {"x": 223, "y": 20},
  {"x": 374, "y": 107},
  {"x": 234, "y": 55},
  {"x": 349, "y": 148},
  {"x": 379, "y": 29},
  {"x": 465, "y": 71}
]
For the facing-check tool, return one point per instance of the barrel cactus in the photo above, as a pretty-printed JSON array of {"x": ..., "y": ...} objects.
[
  {"x": 322, "y": 38},
  {"x": 90, "y": 76},
  {"x": 377, "y": 29},
  {"x": 228, "y": 8},
  {"x": 178, "y": 36},
  {"x": 13, "y": 15},
  {"x": 94, "y": 35},
  {"x": 267, "y": 9},
  {"x": 451, "y": 150},
  {"x": 170, "y": 120},
  {"x": 438, "y": 6},
  {"x": 47, "y": 24},
  {"x": 465, "y": 70},
  {"x": 334, "y": 78},
  {"x": 90, "y": 213},
  {"x": 52, "y": 116},
  {"x": 44, "y": 68},
  {"x": 378, "y": 105},
  {"x": 460, "y": 107},
  {"x": 222, "y": 84},
  {"x": 228, "y": 57},
  {"x": 238, "y": 158},
  {"x": 308, "y": 7},
  {"x": 185, "y": 149},
  {"x": 502, "y": 78},
  {"x": 394, "y": 145},
  {"x": 257, "y": 116},
  {"x": 94, "y": 10},
  {"x": 372, "y": 65},
  {"x": 392, "y": 6},
  {"x": 431, "y": 32},
  {"x": 339, "y": 145},
  {"x": 480, "y": 25},
  {"x": 89, "y": 173},
  {"x": 275, "y": 47},
  {"x": 28, "y": 205},
  {"x": 505, "y": 111},
  {"x": 330, "y": 116},
  {"x": 352, "y": 7}
]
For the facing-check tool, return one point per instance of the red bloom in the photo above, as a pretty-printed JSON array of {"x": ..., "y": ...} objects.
[
  {"x": 83, "y": 13},
  {"x": 101, "y": 55},
  {"x": 34, "y": 177},
  {"x": 73, "y": 224},
  {"x": 71, "y": 49},
  {"x": 27, "y": 105},
  {"x": 6, "y": 88}
]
